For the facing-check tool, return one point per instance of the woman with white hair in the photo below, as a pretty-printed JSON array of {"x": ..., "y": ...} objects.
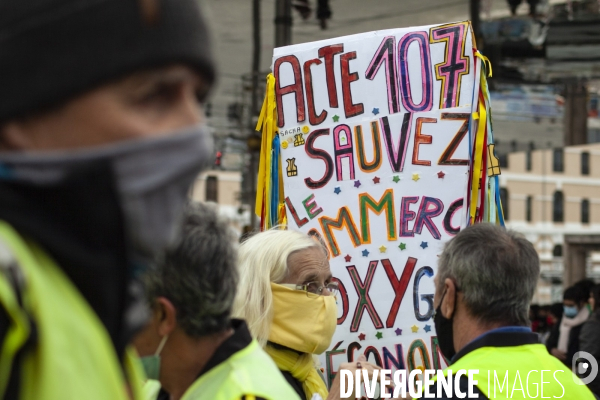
[{"x": 286, "y": 295}]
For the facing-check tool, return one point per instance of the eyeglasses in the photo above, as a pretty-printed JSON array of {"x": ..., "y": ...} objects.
[{"x": 313, "y": 289}]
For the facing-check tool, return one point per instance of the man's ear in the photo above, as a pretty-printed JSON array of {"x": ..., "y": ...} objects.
[
  {"x": 166, "y": 316},
  {"x": 449, "y": 302}
]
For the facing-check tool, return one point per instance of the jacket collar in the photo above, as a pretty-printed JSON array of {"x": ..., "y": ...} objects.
[{"x": 499, "y": 338}]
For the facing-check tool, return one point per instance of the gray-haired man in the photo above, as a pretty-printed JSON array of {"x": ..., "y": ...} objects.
[
  {"x": 485, "y": 282},
  {"x": 191, "y": 345}
]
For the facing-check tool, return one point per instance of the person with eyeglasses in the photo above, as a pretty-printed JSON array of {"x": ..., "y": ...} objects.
[
  {"x": 287, "y": 295},
  {"x": 192, "y": 349}
]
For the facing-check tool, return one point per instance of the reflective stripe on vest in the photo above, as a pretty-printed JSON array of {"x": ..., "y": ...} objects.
[
  {"x": 73, "y": 357},
  {"x": 250, "y": 371},
  {"x": 515, "y": 372}
]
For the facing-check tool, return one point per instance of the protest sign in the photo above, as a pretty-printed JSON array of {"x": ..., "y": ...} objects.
[{"x": 371, "y": 143}]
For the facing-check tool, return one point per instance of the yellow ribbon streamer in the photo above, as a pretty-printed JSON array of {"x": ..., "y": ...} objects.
[
  {"x": 266, "y": 124},
  {"x": 478, "y": 159},
  {"x": 282, "y": 216},
  {"x": 485, "y": 61}
]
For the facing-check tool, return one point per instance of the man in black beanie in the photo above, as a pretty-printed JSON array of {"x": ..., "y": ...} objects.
[{"x": 101, "y": 135}]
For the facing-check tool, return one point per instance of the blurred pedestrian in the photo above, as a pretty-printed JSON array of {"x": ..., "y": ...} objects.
[
  {"x": 556, "y": 314},
  {"x": 101, "y": 136},
  {"x": 586, "y": 286},
  {"x": 192, "y": 346},
  {"x": 575, "y": 314},
  {"x": 484, "y": 285},
  {"x": 533, "y": 7},
  {"x": 513, "y": 5},
  {"x": 589, "y": 338},
  {"x": 287, "y": 296},
  {"x": 544, "y": 323},
  {"x": 534, "y": 310},
  {"x": 543, "y": 319}
]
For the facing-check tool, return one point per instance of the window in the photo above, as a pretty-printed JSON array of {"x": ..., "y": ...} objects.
[
  {"x": 585, "y": 211},
  {"x": 557, "y": 251},
  {"x": 212, "y": 188},
  {"x": 504, "y": 200},
  {"x": 585, "y": 163},
  {"x": 503, "y": 160},
  {"x": 558, "y": 206},
  {"x": 557, "y": 160},
  {"x": 528, "y": 204},
  {"x": 528, "y": 160}
]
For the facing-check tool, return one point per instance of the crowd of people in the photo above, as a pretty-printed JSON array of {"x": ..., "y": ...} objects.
[
  {"x": 571, "y": 326},
  {"x": 113, "y": 286},
  {"x": 249, "y": 325}
]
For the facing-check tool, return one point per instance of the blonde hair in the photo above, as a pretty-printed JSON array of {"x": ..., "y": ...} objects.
[{"x": 263, "y": 259}]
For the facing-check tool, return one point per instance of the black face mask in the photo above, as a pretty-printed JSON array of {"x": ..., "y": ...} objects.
[{"x": 445, "y": 335}]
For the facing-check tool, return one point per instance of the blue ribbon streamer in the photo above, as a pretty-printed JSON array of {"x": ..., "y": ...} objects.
[
  {"x": 498, "y": 203},
  {"x": 275, "y": 181}
]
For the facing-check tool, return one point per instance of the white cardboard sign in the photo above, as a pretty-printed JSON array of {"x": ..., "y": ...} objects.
[{"x": 374, "y": 152}]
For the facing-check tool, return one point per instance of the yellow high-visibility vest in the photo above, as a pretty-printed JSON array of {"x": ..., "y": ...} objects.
[
  {"x": 515, "y": 372},
  {"x": 249, "y": 372},
  {"x": 72, "y": 356}
]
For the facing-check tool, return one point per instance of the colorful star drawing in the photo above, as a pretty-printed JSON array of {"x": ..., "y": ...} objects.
[
  {"x": 402, "y": 246},
  {"x": 415, "y": 177},
  {"x": 376, "y": 111},
  {"x": 337, "y": 190},
  {"x": 423, "y": 245},
  {"x": 336, "y": 118},
  {"x": 356, "y": 184},
  {"x": 365, "y": 253},
  {"x": 362, "y": 336},
  {"x": 348, "y": 258},
  {"x": 379, "y": 335},
  {"x": 414, "y": 328},
  {"x": 376, "y": 179},
  {"x": 396, "y": 178},
  {"x": 382, "y": 249},
  {"x": 398, "y": 331},
  {"x": 427, "y": 328},
  {"x": 441, "y": 175}
]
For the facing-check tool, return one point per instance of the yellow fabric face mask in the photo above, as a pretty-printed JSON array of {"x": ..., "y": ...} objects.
[{"x": 302, "y": 323}]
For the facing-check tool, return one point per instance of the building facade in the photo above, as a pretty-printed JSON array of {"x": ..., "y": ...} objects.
[
  {"x": 552, "y": 196},
  {"x": 224, "y": 188}
]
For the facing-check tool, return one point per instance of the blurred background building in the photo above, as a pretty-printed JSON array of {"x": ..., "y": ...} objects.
[
  {"x": 545, "y": 95},
  {"x": 553, "y": 197}
]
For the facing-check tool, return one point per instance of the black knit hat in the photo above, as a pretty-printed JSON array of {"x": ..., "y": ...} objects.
[{"x": 52, "y": 50}]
